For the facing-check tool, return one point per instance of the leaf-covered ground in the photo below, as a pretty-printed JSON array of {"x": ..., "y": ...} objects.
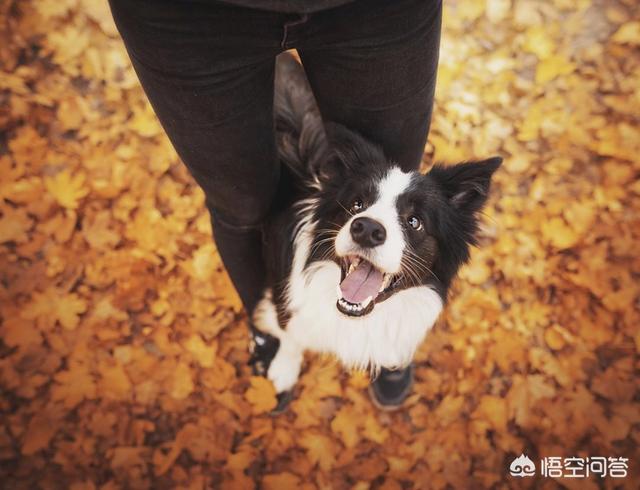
[{"x": 123, "y": 348}]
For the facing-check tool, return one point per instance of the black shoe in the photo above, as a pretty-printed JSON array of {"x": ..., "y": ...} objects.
[
  {"x": 283, "y": 398},
  {"x": 263, "y": 348},
  {"x": 391, "y": 387}
]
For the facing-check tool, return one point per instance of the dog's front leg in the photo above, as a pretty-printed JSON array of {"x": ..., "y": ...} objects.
[{"x": 285, "y": 367}]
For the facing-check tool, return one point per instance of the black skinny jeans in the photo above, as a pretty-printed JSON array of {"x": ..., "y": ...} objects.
[{"x": 208, "y": 67}]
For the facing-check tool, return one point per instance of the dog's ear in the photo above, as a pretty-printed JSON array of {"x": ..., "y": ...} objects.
[
  {"x": 466, "y": 185},
  {"x": 348, "y": 152}
]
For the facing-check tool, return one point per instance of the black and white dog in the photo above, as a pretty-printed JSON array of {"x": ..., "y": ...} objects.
[{"x": 360, "y": 254}]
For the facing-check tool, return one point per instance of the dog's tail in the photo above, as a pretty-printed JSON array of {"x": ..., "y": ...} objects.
[{"x": 302, "y": 141}]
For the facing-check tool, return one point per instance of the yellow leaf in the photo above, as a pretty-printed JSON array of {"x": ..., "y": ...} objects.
[
  {"x": 145, "y": 122},
  {"x": 50, "y": 9},
  {"x": 628, "y": 33},
  {"x": 261, "y": 395},
  {"x": 345, "y": 425},
  {"x": 219, "y": 376},
  {"x": 280, "y": 481},
  {"x": 67, "y": 190},
  {"x": 205, "y": 262},
  {"x": 73, "y": 385},
  {"x": 202, "y": 353},
  {"x": 99, "y": 232},
  {"x": 538, "y": 42},
  {"x": 51, "y": 306},
  {"x": 182, "y": 382},
  {"x": 320, "y": 449},
  {"x": 553, "y": 67},
  {"x": 558, "y": 233},
  {"x": 69, "y": 309},
  {"x": 373, "y": 430},
  {"x": 476, "y": 272},
  {"x": 494, "y": 410},
  {"x": 497, "y": 10},
  {"x": 24, "y": 191},
  {"x": 518, "y": 163},
  {"x": 469, "y": 9},
  {"x": 14, "y": 225},
  {"x": 554, "y": 338},
  {"x": 114, "y": 382}
]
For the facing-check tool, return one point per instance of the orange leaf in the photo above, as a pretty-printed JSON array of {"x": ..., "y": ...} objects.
[
  {"x": 66, "y": 189},
  {"x": 261, "y": 395}
]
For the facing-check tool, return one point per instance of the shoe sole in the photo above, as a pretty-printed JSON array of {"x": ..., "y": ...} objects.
[{"x": 386, "y": 408}]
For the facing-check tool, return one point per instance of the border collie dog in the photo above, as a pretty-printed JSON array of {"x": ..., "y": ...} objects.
[{"x": 359, "y": 253}]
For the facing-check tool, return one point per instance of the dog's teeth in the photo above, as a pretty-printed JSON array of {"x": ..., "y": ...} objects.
[
  {"x": 339, "y": 291},
  {"x": 351, "y": 268},
  {"x": 356, "y": 261},
  {"x": 366, "y": 302}
]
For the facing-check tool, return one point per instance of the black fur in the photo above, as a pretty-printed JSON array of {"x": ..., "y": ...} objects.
[{"x": 336, "y": 166}]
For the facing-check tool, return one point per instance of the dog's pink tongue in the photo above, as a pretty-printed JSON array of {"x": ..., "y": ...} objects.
[{"x": 363, "y": 282}]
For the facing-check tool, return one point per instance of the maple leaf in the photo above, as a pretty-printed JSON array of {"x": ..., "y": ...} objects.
[
  {"x": 205, "y": 262},
  {"x": 66, "y": 189},
  {"x": 553, "y": 67},
  {"x": 39, "y": 433},
  {"x": 345, "y": 425},
  {"x": 53, "y": 305},
  {"x": 124, "y": 355},
  {"x": 202, "y": 353},
  {"x": 538, "y": 42},
  {"x": 23, "y": 191},
  {"x": 558, "y": 233},
  {"x": 320, "y": 449},
  {"x": 373, "y": 430},
  {"x": 14, "y": 225},
  {"x": 19, "y": 332},
  {"x": 220, "y": 376},
  {"x": 497, "y": 10},
  {"x": 73, "y": 385},
  {"x": 128, "y": 456},
  {"x": 54, "y": 8},
  {"x": 261, "y": 395},
  {"x": 524, "y": 394},
  {"x": 99, "y": 233},
  {"x": 181, "y": 382},
  {"x": 280, "y": 481},
  {"x": 114, "y": 381},
  {"x": 628, "y": 33}
]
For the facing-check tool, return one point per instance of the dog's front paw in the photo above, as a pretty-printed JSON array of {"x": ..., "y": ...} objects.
[{"x": 285, "y": 369}]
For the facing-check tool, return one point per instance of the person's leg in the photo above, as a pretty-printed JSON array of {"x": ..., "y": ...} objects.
[
  {"x": 372, "y": 66},
  {"x": 208, "y": 70}
]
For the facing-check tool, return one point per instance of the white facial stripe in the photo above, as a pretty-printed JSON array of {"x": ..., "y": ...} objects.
[
  {"x": 395, "y": 183},
  {"x": 387, "y": 256}
]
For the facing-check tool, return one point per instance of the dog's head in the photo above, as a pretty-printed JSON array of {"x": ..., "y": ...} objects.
[{"x": 389, "y": 230}]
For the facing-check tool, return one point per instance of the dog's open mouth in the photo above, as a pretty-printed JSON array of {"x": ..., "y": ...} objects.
[{"x": 362, "y": 285}]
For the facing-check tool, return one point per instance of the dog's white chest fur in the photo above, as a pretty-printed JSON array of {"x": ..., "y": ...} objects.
[{"x": 386, "y": 337}]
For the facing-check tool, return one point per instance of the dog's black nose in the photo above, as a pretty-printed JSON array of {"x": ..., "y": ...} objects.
[{"x": 367, "y": 232}]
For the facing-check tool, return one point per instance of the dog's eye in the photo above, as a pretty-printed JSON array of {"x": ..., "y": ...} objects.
[
  {"x": 414, "y": 222},
  {"x": 357, "y": 205}
]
